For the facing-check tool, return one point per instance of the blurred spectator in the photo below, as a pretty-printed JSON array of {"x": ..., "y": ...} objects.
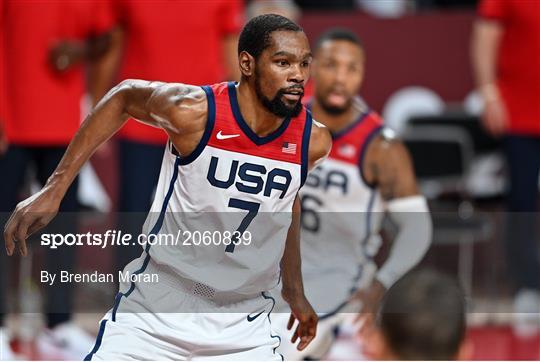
[
  {"x": 192, "y": 42},
  {"x": 421, "y": 317},
  {"x": 385, "y": 9},
  {"x": 506, "y": 60},
  {"x": 44, "y": 45},
  {"x": 286, "y": 8}
]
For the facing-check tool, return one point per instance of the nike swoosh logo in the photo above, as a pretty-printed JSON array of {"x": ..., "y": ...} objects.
[
  {"x": 221, "y": 136},
  {"x": 252, "y": 318}
]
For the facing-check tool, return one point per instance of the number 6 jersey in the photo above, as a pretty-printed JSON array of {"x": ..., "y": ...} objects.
[
  {"x": 341, "y": 217},
  {"x": 234, "y": 183}
]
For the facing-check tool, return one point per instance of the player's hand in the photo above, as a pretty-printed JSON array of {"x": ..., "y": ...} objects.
[
  {"x": 306, "y": 329},
  {"x": 495, "y": 117},
  {"x": 65, "y": 54},
  {"x": 29, "y": 216},
  {"x": 370, "y": 299}
]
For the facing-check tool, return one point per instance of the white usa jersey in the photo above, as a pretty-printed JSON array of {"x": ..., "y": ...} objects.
[
  {"x": 234, "y": 181},
  {"x": 341, "y": 217}
]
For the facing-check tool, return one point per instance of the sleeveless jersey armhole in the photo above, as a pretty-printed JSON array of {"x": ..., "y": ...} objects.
[
  {"x": 372, "y": 134},
  {"x": 305, "y": 147},
  {"x": 211, "y": 117}
]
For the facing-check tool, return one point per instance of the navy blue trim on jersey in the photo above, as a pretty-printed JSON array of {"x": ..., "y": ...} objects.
[
  {"x": 357, "y": 277},
  {"x": 374, "y": 132},
  {"x": 306, "y": 136},
  {"x": 365, "y": 240},
  {"x": 211, "y": 117},
  {"x": 342, "y": 132},
  {"x": 231, "y": 87},
  {"x": 98, "y": 341},
  {"x": 155, "y": 230},
  {"x": 271, "y": 335},
  {"x": 334, "y": 312},
  {"x": 347, "y": 128}
]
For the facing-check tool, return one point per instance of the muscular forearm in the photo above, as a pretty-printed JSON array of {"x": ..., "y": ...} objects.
[
  {"x": 291, "y": 271},
  {"x": 484, "y": 48}
]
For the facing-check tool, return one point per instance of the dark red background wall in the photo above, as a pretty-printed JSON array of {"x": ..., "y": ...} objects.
[{"x": 430, "y": 50}]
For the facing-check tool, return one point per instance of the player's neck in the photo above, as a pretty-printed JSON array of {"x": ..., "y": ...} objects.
[
  {"x": 335, "y": 122},
  {"x": 259, "y": 119}
]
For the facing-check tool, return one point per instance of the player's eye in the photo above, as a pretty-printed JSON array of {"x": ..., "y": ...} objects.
[
  {"x": 282, "y": 63},
  {"x": 329, "y": 65}
]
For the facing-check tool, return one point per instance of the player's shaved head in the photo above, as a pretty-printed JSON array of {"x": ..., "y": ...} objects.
[{"x": 422, "y": 317}]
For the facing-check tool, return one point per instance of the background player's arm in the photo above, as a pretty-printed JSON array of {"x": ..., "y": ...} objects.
[
  {"x": 388, "y": 167},
  {"x": 162, "y": 105}
]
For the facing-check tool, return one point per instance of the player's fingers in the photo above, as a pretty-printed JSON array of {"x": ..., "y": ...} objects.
[
  {"x": 9, "y": 234},
  {"x": 295, "y": 335},
  {"x": 291, "y": 322},
  {"x": 306, "y": 332},
  {"x": 39, "y": 223},
  {"x": 304, "y": 342},
  {"x": 21, "y": 234}
]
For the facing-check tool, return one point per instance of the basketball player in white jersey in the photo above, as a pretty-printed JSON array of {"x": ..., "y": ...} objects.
[
  {"x": 367, "y": 174},
  {"x": 238, "y": 154}
]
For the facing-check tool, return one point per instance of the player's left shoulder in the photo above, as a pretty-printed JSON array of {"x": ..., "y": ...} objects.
[
  {"x": 320, "y": 143},
  {"x": 386, "y": 141},
  {"x": 387, "y": 151}
]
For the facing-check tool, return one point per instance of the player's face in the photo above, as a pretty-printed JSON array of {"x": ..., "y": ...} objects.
[
  {"x": 281, "y": 72},
  {"x": 338, "y": 73}
]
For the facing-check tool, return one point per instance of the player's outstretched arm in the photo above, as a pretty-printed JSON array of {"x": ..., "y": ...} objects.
[
  {"x": 154, "y": 103},
  {"x": 388, "y": 167}
]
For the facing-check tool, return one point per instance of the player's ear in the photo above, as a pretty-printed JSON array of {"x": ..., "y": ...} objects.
[{"x": 247, "y": 63}]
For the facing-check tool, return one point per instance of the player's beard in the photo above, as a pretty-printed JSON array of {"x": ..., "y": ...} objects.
[{"x": 276, "y": 105}]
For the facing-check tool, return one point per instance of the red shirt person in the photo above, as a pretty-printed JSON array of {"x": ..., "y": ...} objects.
[
  {"x": 177, "y": 41},
  {"x": 44, "y": 44},
  {"x": 512, "y": 31},
  {"x": 32, "y": 30},
  {"x": 506, "y": 61}
]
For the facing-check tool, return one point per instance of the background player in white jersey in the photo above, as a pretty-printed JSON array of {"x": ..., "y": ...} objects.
[
  {"x": 367, "y": 174},
  {"x": 237, "y": 152}
]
